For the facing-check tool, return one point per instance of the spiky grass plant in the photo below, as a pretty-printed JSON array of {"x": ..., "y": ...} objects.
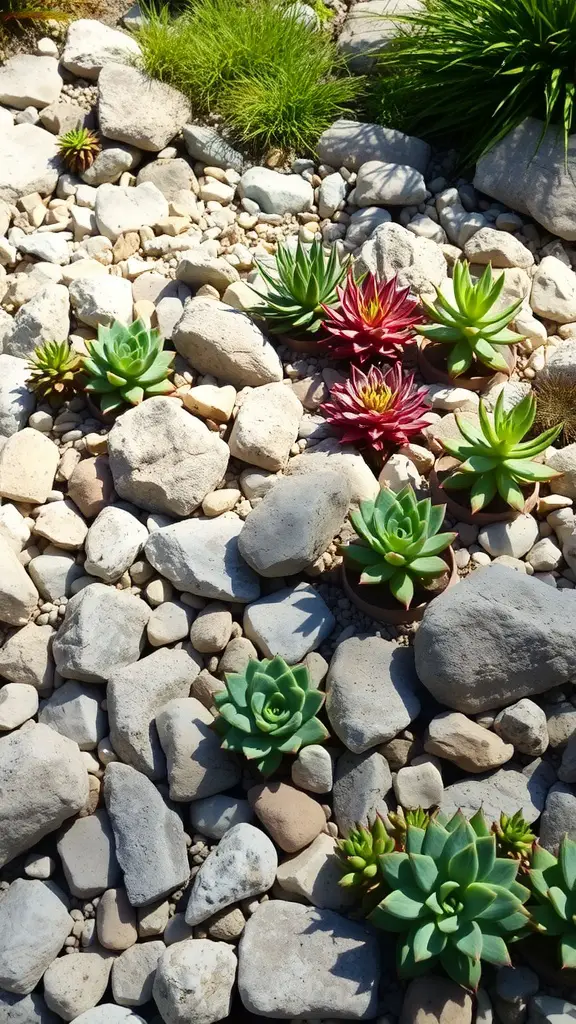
[
  {"x": 401, "y": 542},
  {"x": 556, "y": 403},
  {"x": 552, "y": 882},
  {"x": 494, "y": 459},
  {"x": 469, "y": 71},
  {"x": 79, "y": 148},
  {"x": 126, "y": 364},
  {"x": 304, "y": 281},
  {"x": 514, "y": 837},
  {"x": 55, "y": 372},
  {"x": 469, "y": 325},
  {"x": 277, "y": 82},
  {"x": 29, "y": 11},
  {"x": 452, "y": 900}
]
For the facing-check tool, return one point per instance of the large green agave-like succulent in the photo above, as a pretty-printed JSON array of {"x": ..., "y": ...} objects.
[
  {"x": 269, "y": 710},
  {"x": 126, "y": 364},
  {"x": 552, "y": 881},
  {"x": 452, "y": 900}
]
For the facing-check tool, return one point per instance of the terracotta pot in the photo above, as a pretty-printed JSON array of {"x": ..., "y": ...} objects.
[
  {"x": 307, "y": 345},
  {"x": 432, "y": 365},
  {"x": 383, "y": 607},
  {"x": 496, "y": 512}
]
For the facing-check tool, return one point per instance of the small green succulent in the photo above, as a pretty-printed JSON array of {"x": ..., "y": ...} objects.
[
  {"x": 552, "y": 904},
  {"x": 514, "y": 837},
  {"x": 494, "y": 459},
  {"x": 79, "y": 148},
  {"x": 304, "y": 280},
  {"x": 359, "y": 854},
  {"x": 127, "y": 364},
  {"x": 470, "y": 326},
  {"x": 55, "y": 372},
  {"x": 269, "y": 710},
  {"x": 400, "y": 819},
  {"x": 402, "y": 542},
  {"x": 452, "y": 900}
]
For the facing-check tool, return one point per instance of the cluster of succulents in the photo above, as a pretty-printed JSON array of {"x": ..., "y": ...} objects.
[
  {"x": 400, "y": 543},
  {"x": 79, "y": 148},
  {"x": 304, "y": 281}
]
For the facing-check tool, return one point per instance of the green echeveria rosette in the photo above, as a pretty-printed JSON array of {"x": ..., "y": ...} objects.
[
  {"x": 126, "y": 364},
  {"x": 552, "y": 881},
  {"x": 269, "y": 710},
  {"x": 453, "y": 901}
]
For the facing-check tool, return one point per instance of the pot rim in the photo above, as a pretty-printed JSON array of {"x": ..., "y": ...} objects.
[
  {"x": 398, "y": 616},
  {"x": 434, "y": 375},
  {"x": 463, "y": 513}
]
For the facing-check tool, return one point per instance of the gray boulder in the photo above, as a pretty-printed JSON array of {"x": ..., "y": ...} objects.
[
  {"x": 133, "y": 973},
  {"x": 316, "y": 964},
  {"x": 163, "y": 459},
  {"x": 74, "y": 711},
  {"x": 496, "y": 637},
  {"x": 16, "y": 402},
  {"x": 170, "y": 176},
  {"x": 103, "y": 628},
  {"x": 138, "y": 110},
  {"x": 197, "y": 764},
  {"x": 31, "y": 1009},
  {"x": 194, "y": 982},
  {"x": 136, "y": 693},
  {"x": 243, "y": 865},
  {"x": 371, "y": 691},
  {"x": 215, "y": 815},
  {"x": 26, "y": 657},
  {"x": 294, "y": 523},
  {"x": 88, "y": 856},
  {"x": 90, "y": 45},
  {"x": 150, "y": 843},
  {"x": 46, "y": 315},
  {"x": 558, "y": 817},
  {"x": 54, "y": 574},
  {"x": 201, "y": 556},
  {"x": 368, "y": 29},
  {"x": 352, "y": 143},
  {"x": 289, "y": 622},
  {"x": 34, "y": 922},
  {"x": 361, "y": 782},
  {"x": 505, "y": 790},
  {"x": 113, "y": 542},
  {"x": 275, "y": 192},
  {"x": 207, "y": 146},
  {"x": 28, "y": 162}
]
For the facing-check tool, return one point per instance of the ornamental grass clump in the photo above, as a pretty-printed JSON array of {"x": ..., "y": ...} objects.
[
  {"x": 452, "y": 901},
  {"x": 493, "y": 458},
  {"x": 400, "y": 543},
  {"x": 556, "y": 402},
  {"x": 380, "y": 409},
  {"x": 374, "y": 319},
  {"x": 269, "y": 710},
  {"x": 304, "y": 281},
  {"x": 126, "y": 364},
  {"x": 552, "y": 882},
  {"x": 469, "y": 325},
  {"x": 55, "y": 372}
]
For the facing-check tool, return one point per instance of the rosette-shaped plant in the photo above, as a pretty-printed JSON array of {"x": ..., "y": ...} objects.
[
  {"x": 359, "y": 854},
  {"x": 55, "y": 371},
  {"x": 379, "y": 409},
  {"x": 471, "y": 327},
  {"x": 127, "y": 364},
  {"x": 304, "y": 281},
  {"x": 452, "y": 900},
  {"x": 375, "y": 319},
  {"x": 79, "y": 148},
  {"x": 514, "y": 837},
  {"x": 269, "y": 710},
  {"x": 401, "y": 542},
  {"x": 494, "y": 459},
  {"x": 401, "y": 819},
  {"x": 552, "y": 882}
]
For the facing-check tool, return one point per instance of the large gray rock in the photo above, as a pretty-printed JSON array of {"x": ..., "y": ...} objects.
[
  {"x": 133, "y": 973},
  {"x": 88, "y": 856},
  {"x": 135, "y": 695},
  {"x": 109, "y": 1013},
  {"x": 205, "y": 144},
  {"x": 113, "y": 542},
  {"x": 216, "y": 338},
  {"x": 34, "y": 922},
  {"x": 419, "y": 262},
  {"x": 73, "y": 710},
  {"x": 31, "y": 1009},
  {"x": 16, "y": 402},
  {"x": 275, "y": 192},
  {"x": 28, "y": 162},
  {"x": 90, "y": 45},
  {"x": 103, "y": 628},
  {"x": 28, "y": 81},
  {"x": 563, "y": 460},
  {"x": 201, "y": 556},
  {"x": 197, "y": 764},
  {"x": 266, "y": 427},
  {"x": 46, "y": 315},
  {"x": 316, "y": 964},
  {"x": 135, "y": 109},
  {"x": 386, "y": 184},
  {"x": 74, "y": 984},
  {"x": 102, "y": 299},
  {"x": 368, "y": 29},
  {"x": 119, "y": 210},
  {"x": 558, "y": 816},
  {"x": 506, "y": 790},
  {"x": 194, "y": 982},
  {"x": 215, "y": 815},
  {"x": 163, "y": 459},
  {"x": 294, "y": 523},
  {"x": 43, "y": 781},
  {"x": 361, "y": 781},
  {"x": 18, "y": 595},
  {"x": 150, "y": 843},
  {"x": 170, "y": 176},
  {"x": 371, "y": 691},
  {"x": 54, "y": 574},
  {"x": 26, "y": 657},
  {"x": 289, "y": 622},
  {"x": 352, "y": 143},
  {"x": 110, "y": 163},
  {"x": 243, "y": 865},
  {"x": 496, "y": 637},
  {"x": 532, "y": 174}
]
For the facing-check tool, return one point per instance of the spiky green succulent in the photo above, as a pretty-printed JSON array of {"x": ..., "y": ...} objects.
[
  {"x": 55, "y": 372},
  {"x": 552, "y": 904},
  {"x": 303, "y": 282},
  {"x": 402, "y": 542},
  {"x": 126, "y": 364},
  {"x": 269, "y": 710},
  {"x": 514, "y": 837},
  {"x": 452, "y": 900},
  {"x": 494, "y": 459},
  {"x": 469, "y": 325},
  {"x": 359, "y": 854},
  {"x": 400, "y": 819},
  {"x": 79, "y": 148}
]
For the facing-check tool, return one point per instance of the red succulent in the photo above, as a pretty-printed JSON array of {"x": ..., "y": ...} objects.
[
  {"x": 374, "y": 318},
  {"x": 379, "y": 408}
]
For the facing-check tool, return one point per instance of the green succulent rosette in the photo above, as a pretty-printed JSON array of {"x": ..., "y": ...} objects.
[
  {"x": 127, "y": 364},
  {"x": 552, "y": 881},
  {"x": 269, "y": 710}
]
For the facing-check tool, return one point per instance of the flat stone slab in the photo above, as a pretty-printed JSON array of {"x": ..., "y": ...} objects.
[
  {"x": 352, "y": 143},
  {"x": 28, "y": 162},
  {"x": 506, "y": 790},
  {"x": 289, "y": 622}
]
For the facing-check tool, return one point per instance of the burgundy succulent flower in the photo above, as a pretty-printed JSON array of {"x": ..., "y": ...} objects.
[
  {"x": 374, "y": 318},
  {"x": 380, "y": 408}
]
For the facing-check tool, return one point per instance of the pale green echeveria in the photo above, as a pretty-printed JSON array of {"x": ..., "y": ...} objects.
[
  {"x": 452, "y": 900},
  {"x": 552, "y": 881},
  {"x": 126, "y": 364},
  {"x": 269, "y": 710}
]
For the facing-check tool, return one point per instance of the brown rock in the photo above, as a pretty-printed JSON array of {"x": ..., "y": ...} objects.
[
  {"x": 205, "y": 686},
  {"x": 227, "y": 925},
  {"x": 436, "y": 1001},
  {"x": 470, "y": 746},
  {"x": 125, "y": 246},
  {"x": 116, "y": 920},
  {"x": 292, "y": 818},
  {"x": 91, "y": 487}
]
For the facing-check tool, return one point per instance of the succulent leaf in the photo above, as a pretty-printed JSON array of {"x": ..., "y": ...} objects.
[
  {"x": 552, "y": 903},
  {"x": 126, "y": 364}
]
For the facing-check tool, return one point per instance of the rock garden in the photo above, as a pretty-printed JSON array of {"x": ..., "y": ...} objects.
[{"x": 287, "y": 537}]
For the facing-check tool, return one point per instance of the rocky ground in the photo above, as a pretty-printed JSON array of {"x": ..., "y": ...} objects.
[{"x": 141, "y": 560}]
